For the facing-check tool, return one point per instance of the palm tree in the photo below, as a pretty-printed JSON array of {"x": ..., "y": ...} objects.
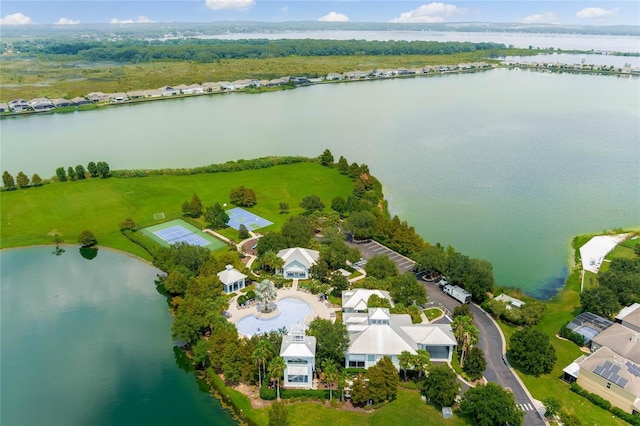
[
  {"x": 422, "y": 362},
  {"x": 466, "y": 334},
  {"x": 276, "y": 369},
  {"x": 266, "y": 293},
  {"x": 331, "y": 375},
  {"x": 406, "y": 360},
  {"x": 260, "y": 355}
]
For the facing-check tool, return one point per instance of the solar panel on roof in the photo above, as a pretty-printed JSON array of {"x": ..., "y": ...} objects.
[
  {"x": 610, "y": 371},
  {"x": 633, "y": 368}
]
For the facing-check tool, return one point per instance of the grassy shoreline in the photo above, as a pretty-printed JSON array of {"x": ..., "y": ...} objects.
[
  {"x": 560, "y": 309},
  {"x": 100, "y": 205}
]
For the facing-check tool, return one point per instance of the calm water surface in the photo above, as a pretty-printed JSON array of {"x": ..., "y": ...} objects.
[
  {"x": 503, "y": 165},
  {"x": 88, "y": 343}
]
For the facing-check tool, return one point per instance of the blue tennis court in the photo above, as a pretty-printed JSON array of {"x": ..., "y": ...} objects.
[
  {"x": 178, "y": 234},
  {"x": 239, "y": 216}
]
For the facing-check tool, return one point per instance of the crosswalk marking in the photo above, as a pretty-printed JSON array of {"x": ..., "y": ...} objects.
[{"x": 525, "y": 407}]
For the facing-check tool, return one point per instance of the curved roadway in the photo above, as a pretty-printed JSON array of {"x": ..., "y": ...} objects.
[{"x": 490, "y": 339}]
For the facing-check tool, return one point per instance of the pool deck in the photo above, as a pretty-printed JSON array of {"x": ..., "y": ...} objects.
[{"x": 318, "y": 308}]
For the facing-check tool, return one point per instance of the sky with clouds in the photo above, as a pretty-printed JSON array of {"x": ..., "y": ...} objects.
[{"x": 67, "y": 12}]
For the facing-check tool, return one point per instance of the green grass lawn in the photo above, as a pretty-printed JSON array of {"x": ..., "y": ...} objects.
[
  {"x": 407, "y": 409},
  {"x": 432, "y": 313},
  {"x": 28, "y": 215}
]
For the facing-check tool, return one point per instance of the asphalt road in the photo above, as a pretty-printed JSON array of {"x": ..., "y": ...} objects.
[{"x": 490, "y": 340}]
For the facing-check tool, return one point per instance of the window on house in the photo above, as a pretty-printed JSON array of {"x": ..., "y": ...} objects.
[
  {"x": 356, "y": 364},
  {"x": 608, "y": 385}
]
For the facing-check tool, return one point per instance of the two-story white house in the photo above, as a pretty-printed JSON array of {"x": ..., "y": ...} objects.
[
  {"x": 297, "y": 262},
  {"x": 299, "y": 353},
  {"x": 232, "y": 280}
]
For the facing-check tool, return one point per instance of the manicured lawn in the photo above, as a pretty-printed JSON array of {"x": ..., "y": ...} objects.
[
  {"x": 28, "y": 215},
  {"x": 407, "y": 409},
  {"x": 432, "y": 313}
]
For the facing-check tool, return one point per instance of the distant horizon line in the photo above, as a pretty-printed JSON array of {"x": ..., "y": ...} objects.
[{"x": 323, "y": 23}]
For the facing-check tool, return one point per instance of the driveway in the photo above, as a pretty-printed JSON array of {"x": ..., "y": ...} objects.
[{"x": 490, "y": 340}]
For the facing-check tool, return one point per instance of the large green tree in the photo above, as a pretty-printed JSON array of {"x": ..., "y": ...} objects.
[
  {"x": 490, "y": 405},
  {"x": 532, "y": 351},
  {"x": 243, "y": 196},
  {"x": 381, "y": 267},
  {"x": 298, "y": 231},
  {"x": 339, "y": 205},
  {"x": 61, "y": 174},
  {"x": 326, "y": 159},
  {"x": 103, "y": 169},
  {"x": 331, "y": 340},
  {"x": 8, "y": 181},
  {"x": 441, "y": 386},
  {"x": 87, "y": 239},
  {"x": 176, "y": 282},
  {"x": 193, "y": 207},
  {"x": 406, "y": 289},
  {"x": 80, "y": 172},
  {"x": 383, "y": 381},
  {"x": 22, "y": 180},
  {"x": 36, "y": 180},
  {"x": 475, "y": 364},
  {"x": 93, "y": 169},
  {"x": 360, "y": 390},
  {"x": 432, "y": 259},
  {"x": 312, "y": 203},
  {"x": 361, "y": 224},
  {"x": 216, "y": 216},
  {"x": 71, "y": 172},
  {"x": 600, "y": 301}
]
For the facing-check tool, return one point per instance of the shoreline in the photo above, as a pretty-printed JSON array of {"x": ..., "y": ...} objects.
[
  {"x": 312, "y": 82},
  {"x": 67, "y": 245}
]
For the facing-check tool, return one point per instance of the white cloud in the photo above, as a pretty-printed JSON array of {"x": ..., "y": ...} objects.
[
  {"x": 595, "y": 13},
  {"x": 229, "y": 4},
  {"x": 334, "y": 17},
  {"x": 67, "y": 21},
  {"x": 139, "y": 20},
  {"x": 430, "y": 13},
  {"x": 540, "y": 18},
  {"x": 15, "y": 19}
]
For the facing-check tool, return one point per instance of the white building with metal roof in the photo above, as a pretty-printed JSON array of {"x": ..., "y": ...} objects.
[
  {"x": 379, "y": 333},
  {"x": 299, "y": 353},
  {"x": 232, "y": 280}
]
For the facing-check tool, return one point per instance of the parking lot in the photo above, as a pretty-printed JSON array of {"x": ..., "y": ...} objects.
[{"x": 373, "y": 248}]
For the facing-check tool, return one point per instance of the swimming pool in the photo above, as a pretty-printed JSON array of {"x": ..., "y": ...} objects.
[{"x": 291, "y": 311}]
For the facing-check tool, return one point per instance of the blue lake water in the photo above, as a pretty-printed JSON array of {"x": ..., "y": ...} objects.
[
  {"x": 503, "y": 165},
  {"x": 88, "y": 342},
  {"x": 291, "y": 311}
]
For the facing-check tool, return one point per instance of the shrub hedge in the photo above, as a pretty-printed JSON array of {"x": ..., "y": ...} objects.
[
  {"x": 142, "y": 240},
  {"x": 603, "y": 403},
  {"x": 230, "y": 166},
  {"x": 269, "y": 394}
]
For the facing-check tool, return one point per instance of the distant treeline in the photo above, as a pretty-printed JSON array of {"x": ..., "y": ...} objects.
[{"x": 204, "y": 51}]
